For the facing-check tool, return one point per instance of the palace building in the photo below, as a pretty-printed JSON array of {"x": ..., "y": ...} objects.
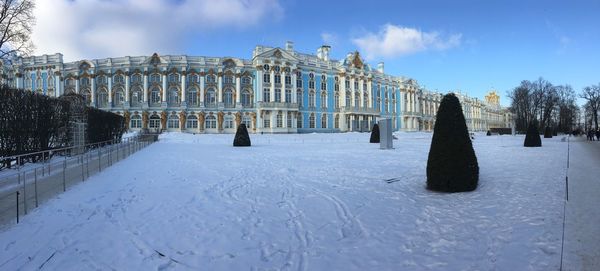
[{"x": 278, "y": 90}]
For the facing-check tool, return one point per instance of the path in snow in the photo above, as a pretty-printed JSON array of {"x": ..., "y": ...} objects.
[
  {"x": 300, "y": 202},
  {"x": 582, "y": 231}
]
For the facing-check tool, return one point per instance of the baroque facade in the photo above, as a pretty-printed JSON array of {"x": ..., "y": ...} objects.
[{"x": 278, "y": 90}]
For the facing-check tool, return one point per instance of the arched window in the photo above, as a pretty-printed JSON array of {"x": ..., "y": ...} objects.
[
  {"x": 356, "y": 99},
  {"x": 336, "y": 122},
  {"x": 266, "y": 78},
  {"x": 119, "y": 79},
  {"x": 288, "y": 80},
  {"x": 155, "y": 96},
  {"x": 84, "y": 82},
  {"x": 323, "y": 99},
  {"x": 193, "y": 78},
  {"x": 278, "y": 95},
  {"x": 279, "y": 119},
  {"x": 337, "y": 100},
  {"x": 154, "y": 122},
  {"x": 119, "y": 97},
  {"x": 228, "y": 79},
  {"x": 155, "y": 78},
  {"x": 267, "y": 120},
  {"x": 70, "y": 82},
  {"x": 366, "y": 100},
  {"x": 289, "y": 119},
  {"x": 173, "y": 97},
  {"x": 137, "y": 96},
  {"x": 311, "y": 99},
  {"x": 191, "y": 122},
  {"x": 228, "y": 98},
  {"x": 136, "y": 78},
  {"x": 311, "y": 121},
  {"x": 191, "y": 96},
  {"x": 210, "y": 122},
  {"x": 87, "y": 95},
  {"x": 266, "y": 95},
  {"x": 173, "y": 78},
  {"x": 210, "y": 79},
  {"x": 324, "y": 121},
  {"x": 101, "y": 80},
  {"x": 102, "y": 98},
  {"x": 348, "y": 99},
  {"x": 228, "y": 122},
  {"x": 136, "y": 121},
  {"x": 173, "y": 122},
  {"x": 210, "y": 98},
  {"x": 246, "y": 98},
  {"x": 246, "y": 80}
]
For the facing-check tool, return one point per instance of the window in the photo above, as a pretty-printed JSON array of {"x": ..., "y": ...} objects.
[
  {"x": 278, "y": 95},
  {"x": 366, "y": 100},
  {"x": 87, "y": 96},
  {"x": 228, "y": 122},
  {"x": 266, "y": 95},
  {"x": 323, "y": 85},
  {"x": 211, "y": 79},
  {"x": 211, "y": 122},
  {"x": 267, "y": 78},
  {"x": 279, "y": 120},
  {"x": 288, "y": 80},
  {"x": 173, "y": 122},
  {"x": 191, "y": 122},
  {"x": 311, "y": 84},
  {"x": 299, "y": 82},
  {"x": 336, "y": 123},
  {"x": 289, "y": 120},
  {"x": 173, "y": 78},
  {"x": 246, "y": 120},
  {"x": 347, "y": 83},
  {"x": 356, "y": 99},
  {"x": 228, "y": 79},
  {"x": 119, "y": 79},
  {"x": 355, "y": 84},
  {"x": 277, "y": 79},
  {"x": 311, "y": 121},
  {"x": 84, "y": 82},
  {"x": 246, "y": 98},
  {"x": 136, "y": 78},
  {"x": 311, "y": 99},
  {"x": 288, "y": 95},
  {"x": 154, "y": 122},
  {"x": 336, "y": 87},
  {"x": 119, "y": 97},
  {"x": 136, "y": 121},
  {"x": 173, "y": 97},
  {"x": 193, "y": 78},
  {"x": 101, "y": 80},
  {"x": 348, "y": 99},
  {"x": 210, "y": 99},
  {"x": 70, "y": 82},
  {"x": 136, "y": 97},
  {"x": 299, "y": 120},
  {"x": 192, "y": 96},
  {"x": 299, "y": 97},
  {"x": 323, "y": 100},
  {"x": 155, "y": 96},
  {"x": 155, "y": 78},
  {"x": 337, "y": 100},
  {"x": 324, "y": 121},
  {"x": 102, "y": 98},
  {"x": 246, "y": 80},
  {"x": 364, "y": 87},
  {"x": 267, "y": 121},
  {"x": 228, "y": 98}
]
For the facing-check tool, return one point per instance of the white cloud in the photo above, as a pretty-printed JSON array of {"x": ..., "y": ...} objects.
[
  {"x": 329, "y": 38},
  {"x": 394, "y": 41},
  {"x": 108, "y": 28}
]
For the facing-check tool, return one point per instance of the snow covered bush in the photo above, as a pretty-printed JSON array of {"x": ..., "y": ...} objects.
[
  {"x": 532, "y": 138},
  {"x": 242, "y": 139},
  {"x": 374, "y": 134},
  {"x": 452, "y": 164},
  {"x": 548, "y": 132}
]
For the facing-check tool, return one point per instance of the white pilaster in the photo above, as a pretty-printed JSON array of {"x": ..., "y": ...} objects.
[
  {"x": 202, "y": 90},
  {"x": 283, "y": 89},
  {"x": 294, "y": 89},
  {"x": 145, "y": 89},
  {"x": 272, "y": 86},
  {"x": 220, "y": 88},
  {"x": 93, "y": 85},
  {"x": 183, "y": 77},
  {"x": 238, "y": 89},
  {"x": 164, "y": 87},
  {"x": 127, "y": 80}
]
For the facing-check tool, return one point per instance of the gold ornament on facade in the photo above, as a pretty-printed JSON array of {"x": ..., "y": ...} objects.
[
  {"x": 127, "y": 116},
  {"x": 145, "y": 119},
  {"x": 163, "y": 119},
  {"x": 201, "y": 120},
  {"x": 253, "y": 116},
  {"x": 238, "y": 119},
  {"x": 182, "y": 118},
  {"x": 220, "y": 120}
]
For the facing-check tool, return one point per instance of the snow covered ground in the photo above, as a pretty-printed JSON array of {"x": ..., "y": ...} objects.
[{"x": 300, "y": 202}]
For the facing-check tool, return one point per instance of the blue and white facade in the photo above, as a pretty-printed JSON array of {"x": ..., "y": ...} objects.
[{"x": 278, "y": 90}]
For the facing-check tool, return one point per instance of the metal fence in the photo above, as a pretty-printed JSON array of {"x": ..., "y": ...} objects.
[{"x": 27, "y": 185}]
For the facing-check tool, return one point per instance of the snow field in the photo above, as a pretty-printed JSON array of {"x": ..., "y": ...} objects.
[{"x": 300, "y": 202}]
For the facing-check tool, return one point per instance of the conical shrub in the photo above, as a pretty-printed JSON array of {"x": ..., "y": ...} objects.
[
  {"x": 452, "y": 164},
  {"x": 375, "y": 134},
  {"x": 548, "y": 132},
  {"x": 532, "y": 138},
  {"x": 554, "y": 131},
  {"x": 242, "y": 139},
  {"x": 489, "y": 133}
]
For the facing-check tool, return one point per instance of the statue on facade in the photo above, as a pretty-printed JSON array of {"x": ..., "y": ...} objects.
[
  {"x": 201, "y": 121},
  {"x": 220, "y": 120},
  {"x": 182, "y": 118},
  {"x": 163, "y": 119},
  {"x": 253, "y": 116},
  {"x": 127, "y": 116},
  {"x": 238, "y": 119},
  {"x": 145, "y": 119}
]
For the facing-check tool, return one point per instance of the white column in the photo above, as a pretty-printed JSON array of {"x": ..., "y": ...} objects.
[
  {"x": 259, "y": 83},
  {"x": 283, "y": 89},
  {"x": 127, "y": 80},
  {"x": 202, "y": 89},
  {"x": 164, "y": 87},
  {"x": 93, "y": 85},
  {"x": 76, "y": 85},
  {"x": 183, "y": 77},
  {"x": 220, "y": 88},
  {"x": 352, "y": 92},
  {"x": 272, "y": 86},
  {"x": 238, "y": 89},
  {"x": 110, "y": 96},
  {"x": 362, "y": 93},
  {"x": 146, "y": 88},
  {"x": 57, "y": 90},
  {"x": 342, "y": 92},
  {"x": 371, "y": 96},
  {"x": 294, "y": 79}
]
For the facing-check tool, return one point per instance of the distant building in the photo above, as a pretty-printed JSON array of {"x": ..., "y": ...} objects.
[{"x": 278, "y": 90}]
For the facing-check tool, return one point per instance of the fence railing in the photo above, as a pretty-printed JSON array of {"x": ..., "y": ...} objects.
[{"x": 27, "y": 185}]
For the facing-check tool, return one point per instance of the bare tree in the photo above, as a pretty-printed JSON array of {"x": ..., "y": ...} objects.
[
  {"x": 16, "y": 22},
  {"x": 592, "y": 95},
  {"x": 568, "y": 110}
]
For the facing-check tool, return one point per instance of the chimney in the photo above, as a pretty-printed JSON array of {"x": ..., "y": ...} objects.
[
  {"x": 380, "y": 67},
  {"x": 289, "y": 46},
  {"x": 323, "y": 52}
]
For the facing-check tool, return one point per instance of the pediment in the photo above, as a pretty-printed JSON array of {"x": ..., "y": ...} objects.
[
  {"x": 277, "y": 53},
  {"x": 155, "y": 60}
]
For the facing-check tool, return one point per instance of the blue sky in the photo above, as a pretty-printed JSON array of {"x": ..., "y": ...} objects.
[{"x": 445, "y": 45}]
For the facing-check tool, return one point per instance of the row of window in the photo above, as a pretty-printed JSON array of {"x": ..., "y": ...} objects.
[
  {"x": 191, "y": 122},
  {"x": 156, "y": 78}
]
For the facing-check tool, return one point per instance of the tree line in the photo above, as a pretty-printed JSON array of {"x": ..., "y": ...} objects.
[
  {"x": 545, "y": 104},
  {"x": 32, "y": 122}
]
